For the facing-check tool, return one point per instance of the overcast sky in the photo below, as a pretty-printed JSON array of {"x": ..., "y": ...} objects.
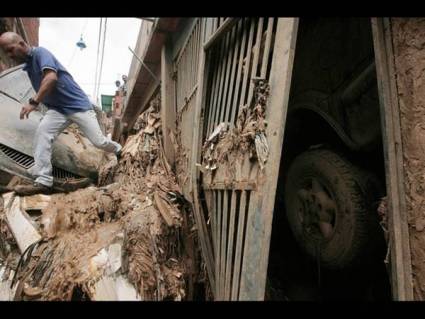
[{"x": 60, "y": 35}]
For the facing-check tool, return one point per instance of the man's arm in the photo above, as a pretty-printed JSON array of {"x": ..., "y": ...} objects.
[{"x": 48, "y": 83}]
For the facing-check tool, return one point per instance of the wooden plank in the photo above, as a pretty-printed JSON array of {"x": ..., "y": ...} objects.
[
  {"x": 221, "y": 73},
  {"x": 214, "y": 220},
  {"x": 254, "y": 65},
  {"x": 401, "y": 267},
  {"x": 248, "y": 185},
  {"x": 111, "y": 288},
  {"x": 7, "y": 293},
  {"x": 267, "y": 48},
  {"x": 214, "y": 92},
  {"x": 163, "y": 208},
  {"x": 209, "y": 91},
  {"x": 247, "y": 64},
  {"x": 254, "y": 268},
  {"x": 208, "y": 27},
  {"x": 219, "y": 212},
  {"x": 223, "y": 63},
  {"x": 230, "y": 53},
  {"x": 226, "y": 65},
  {"x": 183, "y": 80},
  {"x": 229, "y": 254},
  {"x": 198, "y": 46},
  {"x": 238, "y": 251},
  {"x": 220, "y": 32},
  {"x": 194, "y": 56},
  {"x": 168, "y": 115},
  {"x": 204, "y": 29},
  {"x": 209, "y": 203},
  {"x": 176, "y": 69},
  {"x": 186, "y": 41},
  {"x": 238, "y": 77},
  {"x": 191, "y": 57},
  {"x": 19, "y": 223},
  {"x": 206, "y": 246},
  {"x": 197, "y": 40},
  {"x": 228, "y": 102},
  {"x": 222, "y": 276},
  {"x": 35, "y": 202}
]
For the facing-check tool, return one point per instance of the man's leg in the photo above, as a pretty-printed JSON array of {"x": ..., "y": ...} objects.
[
  {"x": 50, "y": 127},
  {"x": 87, "y": 121}
]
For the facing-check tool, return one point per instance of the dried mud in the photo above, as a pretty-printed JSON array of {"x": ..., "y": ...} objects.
[
  {"x": 409, "y": 52},
  {"x": 137, "y": 203}
]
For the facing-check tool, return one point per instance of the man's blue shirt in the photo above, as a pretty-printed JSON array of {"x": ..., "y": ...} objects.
[{"x": 67, "y": 97}]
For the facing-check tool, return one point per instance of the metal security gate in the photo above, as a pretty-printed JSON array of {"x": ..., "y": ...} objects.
[
  {"x": 185, "y": 67},
  {"x": 239, "y": 194}
]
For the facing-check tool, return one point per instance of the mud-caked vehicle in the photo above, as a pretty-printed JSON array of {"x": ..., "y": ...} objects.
[
  {"x": 73, "y": 158},
  {"x": 332, "y": 173}
]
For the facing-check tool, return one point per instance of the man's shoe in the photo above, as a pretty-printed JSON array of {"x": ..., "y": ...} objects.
[
  {"x": 71, "y": 185},
  {"x": 35, "y": 188}
]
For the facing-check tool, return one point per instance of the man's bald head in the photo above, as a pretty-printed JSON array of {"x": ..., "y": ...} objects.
[
  {"x": 10, "y": 38},
  {"x": 14, "y": 46}
]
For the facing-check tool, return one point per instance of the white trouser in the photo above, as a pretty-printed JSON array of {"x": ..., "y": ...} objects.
[{"x": 52, "y": 124}]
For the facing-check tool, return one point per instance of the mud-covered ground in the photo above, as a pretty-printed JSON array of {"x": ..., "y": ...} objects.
[{"x": 136, "y": 205}]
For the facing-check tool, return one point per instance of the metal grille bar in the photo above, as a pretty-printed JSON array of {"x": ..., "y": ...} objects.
[{"x": 27, "y": 162}]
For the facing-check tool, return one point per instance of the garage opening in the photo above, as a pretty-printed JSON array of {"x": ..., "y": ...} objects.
[{"x": 328, "y": 240}]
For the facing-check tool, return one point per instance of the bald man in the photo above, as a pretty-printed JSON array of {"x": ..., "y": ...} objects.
[{"x": 66, "y": 103}]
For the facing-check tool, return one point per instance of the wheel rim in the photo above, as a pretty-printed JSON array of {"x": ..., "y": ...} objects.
[{"x": 317, "y": 210}]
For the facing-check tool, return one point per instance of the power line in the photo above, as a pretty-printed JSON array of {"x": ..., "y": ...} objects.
[
  {"x": 103, "y": 54},
  {"x": 97, "y": 58}
]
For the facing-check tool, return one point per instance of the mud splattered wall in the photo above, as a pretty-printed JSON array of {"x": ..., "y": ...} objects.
[{"x": 409, "y": 56}]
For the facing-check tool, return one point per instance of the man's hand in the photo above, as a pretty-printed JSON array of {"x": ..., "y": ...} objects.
[{"x": 26, "y": 110}]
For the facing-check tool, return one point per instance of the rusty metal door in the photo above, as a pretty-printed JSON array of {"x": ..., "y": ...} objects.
[{"x": 239, "y": 194}]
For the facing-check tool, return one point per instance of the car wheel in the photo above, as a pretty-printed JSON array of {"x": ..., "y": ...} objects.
[{"x": 331, "y": 208}]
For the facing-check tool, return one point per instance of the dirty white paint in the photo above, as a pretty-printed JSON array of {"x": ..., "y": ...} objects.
[
  {"x": 22, "y": 229},
  {"x": 114, "y": 258},
  {"x": 6, "y": 293},
  {"x": 35, "y": 202},
  {"x": 112, "y": 286},
  {"x": 114, "y": 289}
]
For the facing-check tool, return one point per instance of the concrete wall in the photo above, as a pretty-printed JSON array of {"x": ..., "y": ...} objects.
[{"x": 142, "y": 42}]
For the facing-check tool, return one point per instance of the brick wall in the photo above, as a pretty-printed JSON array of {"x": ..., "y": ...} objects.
[
  {"x": 118, "y": 102},
  {"x": 31, "y": 27}
]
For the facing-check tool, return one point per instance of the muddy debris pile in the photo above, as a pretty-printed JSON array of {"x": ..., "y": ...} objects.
[
  {"x": 247, "y": 136},
  {"x": 121, "y": 240}
]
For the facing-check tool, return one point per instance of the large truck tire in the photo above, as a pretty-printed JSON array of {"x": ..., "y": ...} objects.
[{"x": 331, "y": 208}]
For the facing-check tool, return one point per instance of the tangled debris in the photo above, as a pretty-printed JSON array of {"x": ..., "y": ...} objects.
[
  {"x": 248, "y": 135},
  {"x": 122, "y": 240}
]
